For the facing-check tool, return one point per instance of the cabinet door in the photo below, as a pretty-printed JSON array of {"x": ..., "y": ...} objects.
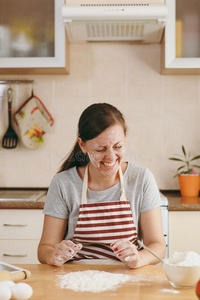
[
  {"x": 21, "y": 223},
  {"x": 181, "y": 43},
  {"x": 19, "y": 251},
  {"x": 184, "y": 231},
  {"x": 32, "y": 37}
]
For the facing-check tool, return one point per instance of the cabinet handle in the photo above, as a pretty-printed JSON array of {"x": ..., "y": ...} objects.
[
  {"x": 15, "y": 255},
  {"x": 16, "y": 225}
]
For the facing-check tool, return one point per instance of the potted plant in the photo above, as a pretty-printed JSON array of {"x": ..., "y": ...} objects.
[{"x": 189, "y": 179}]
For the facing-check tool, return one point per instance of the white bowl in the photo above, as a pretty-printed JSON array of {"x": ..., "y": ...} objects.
[{"x": 182, "y": 276}]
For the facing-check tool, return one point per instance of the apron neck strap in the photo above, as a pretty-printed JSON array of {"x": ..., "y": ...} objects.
[{"x": 85, "y": 186}]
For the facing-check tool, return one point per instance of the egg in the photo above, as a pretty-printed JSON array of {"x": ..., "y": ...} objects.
[
  {"x": 5, "y": 292},
  {"x": 8, "y": 283},
  {"x": 21, "y": 291}
]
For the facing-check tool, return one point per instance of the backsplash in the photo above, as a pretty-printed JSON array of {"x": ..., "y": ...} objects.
[{"x": 162, "y": 112}]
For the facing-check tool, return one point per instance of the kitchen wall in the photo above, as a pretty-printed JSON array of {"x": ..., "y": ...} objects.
[{"x": 162, "y": 112}]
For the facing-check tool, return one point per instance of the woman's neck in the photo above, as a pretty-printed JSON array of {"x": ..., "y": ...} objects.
[{"x": 98, "y": 181}]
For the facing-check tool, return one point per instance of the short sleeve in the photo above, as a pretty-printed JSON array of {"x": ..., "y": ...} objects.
[
  {"x": 151, "y": 196},
  {"x": 55, "y": 204}
]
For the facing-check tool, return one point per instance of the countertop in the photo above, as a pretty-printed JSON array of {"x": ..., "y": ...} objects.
[
  {"x": 176, "y": 203},
  {"x": 179, "y": 203},
  {"x": 150, "y": 283},
  {"x": 39, "y": 204}
]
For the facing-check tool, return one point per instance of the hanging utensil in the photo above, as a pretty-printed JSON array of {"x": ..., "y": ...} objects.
[
  {"x": 34, "y": 121},
  {"x": 10, "y": 138}
]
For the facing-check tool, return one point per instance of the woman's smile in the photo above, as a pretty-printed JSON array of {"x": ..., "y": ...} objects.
[{"x": 111, "y": 164}]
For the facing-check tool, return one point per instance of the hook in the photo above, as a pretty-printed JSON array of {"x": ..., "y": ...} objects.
[{"x": 32, "y": 95}]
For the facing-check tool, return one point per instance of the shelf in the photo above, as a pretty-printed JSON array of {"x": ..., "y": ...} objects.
[
  {"x": 32, "y": 38},
  {"x": 180, "y": 49}
]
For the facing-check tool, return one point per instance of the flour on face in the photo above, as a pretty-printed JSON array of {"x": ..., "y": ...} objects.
[{"x": 107, "y": 150}]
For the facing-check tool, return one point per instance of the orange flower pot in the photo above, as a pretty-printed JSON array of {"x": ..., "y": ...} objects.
[
  {"x": 189, "y": 184},
  {"x": 189, "y": 200}
]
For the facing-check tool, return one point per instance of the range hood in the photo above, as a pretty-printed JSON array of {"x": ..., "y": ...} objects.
[{"x": 115, "y": 20}]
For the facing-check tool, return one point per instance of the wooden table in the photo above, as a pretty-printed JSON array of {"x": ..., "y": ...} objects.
[{"x": 153, "y": 284}]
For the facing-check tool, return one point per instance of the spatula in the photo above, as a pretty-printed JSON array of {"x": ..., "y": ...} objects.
[{"x": 10, "y": 138}]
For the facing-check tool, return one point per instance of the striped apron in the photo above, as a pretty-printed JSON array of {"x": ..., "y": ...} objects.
[{"x": 101, "y": 224}]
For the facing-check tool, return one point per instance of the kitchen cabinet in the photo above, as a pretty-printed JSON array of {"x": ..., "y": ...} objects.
[
  {"x": 33, "y": 38},
  {"x": 184, "y": 231},
  {"x": 180, "y": 49},
  {"x": 20, "y": 234}
]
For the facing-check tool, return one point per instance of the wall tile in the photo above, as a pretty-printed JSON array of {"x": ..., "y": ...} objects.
[
  {"x": 162, "y": 112},
  {"x": 107, "y": 70}
]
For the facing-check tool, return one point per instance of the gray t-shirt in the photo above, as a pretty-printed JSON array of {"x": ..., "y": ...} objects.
[{"x": 64, "y": 195}]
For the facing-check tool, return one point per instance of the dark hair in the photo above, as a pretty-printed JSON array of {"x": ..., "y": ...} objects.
[{"x": 93, "y": 121}]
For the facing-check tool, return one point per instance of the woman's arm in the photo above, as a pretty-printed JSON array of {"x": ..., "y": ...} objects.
[
  {"x": 153, "y": 237},
  {"x": 52, "y": 248}
]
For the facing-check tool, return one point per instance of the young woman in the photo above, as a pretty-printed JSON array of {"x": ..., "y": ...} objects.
[{"x": 98, "y": 205}]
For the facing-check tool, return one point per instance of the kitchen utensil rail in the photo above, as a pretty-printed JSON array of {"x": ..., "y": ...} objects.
[{"x": 16, "y": 81}]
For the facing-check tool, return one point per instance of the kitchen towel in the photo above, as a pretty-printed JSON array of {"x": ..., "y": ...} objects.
[{"x": 34, "y": 122}]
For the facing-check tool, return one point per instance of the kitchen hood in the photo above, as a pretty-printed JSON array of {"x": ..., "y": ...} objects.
[{"x": 114, "y": 20}]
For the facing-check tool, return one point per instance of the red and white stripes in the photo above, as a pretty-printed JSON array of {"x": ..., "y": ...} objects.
[{"x": 101, "y": 224}]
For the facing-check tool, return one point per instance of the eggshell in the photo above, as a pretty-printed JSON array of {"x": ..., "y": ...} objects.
[
  {"x": 8, "y": 283},
  {"x": 5, "y": 292},
  {"x": 21, "y": 291}
]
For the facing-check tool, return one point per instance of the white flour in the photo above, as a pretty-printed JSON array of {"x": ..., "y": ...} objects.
[
  {"x": 100, "y": 281},
  {"x": 187, "y": 259},
  {"x": 170, "y": 291},
  {"x": 92, "y": 281}
]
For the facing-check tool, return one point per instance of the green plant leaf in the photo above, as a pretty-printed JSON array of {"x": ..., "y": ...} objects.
[
  {"x": 196, "y": 166},
  {"x": 183, "y": 149},
  {"x": 196, "y": 157},
  {"x": 176, "y": 159},
  {"x": 185, "y": 172},
  {"x": 189, "y": 155},
  {"x": 180, "y": 168},
  {"x": 175, "y": 175}
]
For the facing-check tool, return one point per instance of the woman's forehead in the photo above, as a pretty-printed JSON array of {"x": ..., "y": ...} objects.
[{"x": 110, "y": 136}]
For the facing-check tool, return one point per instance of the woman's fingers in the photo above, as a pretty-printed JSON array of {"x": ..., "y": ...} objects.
[
  {"x": 125, "y": 251},
  {"x": 64, "y": 251},
  {"x": 57, "y": 260}
]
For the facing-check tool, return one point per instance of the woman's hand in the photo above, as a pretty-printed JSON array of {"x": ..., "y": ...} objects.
[
  {"x": 127, "y": 252},
  {"x": 63, "y": 252}
]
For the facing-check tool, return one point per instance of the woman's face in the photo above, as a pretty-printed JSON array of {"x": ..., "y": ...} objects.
[{"x": 107, "y": 150}]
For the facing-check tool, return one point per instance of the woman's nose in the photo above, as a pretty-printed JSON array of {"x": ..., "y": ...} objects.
[{"x": 110, "y": 154}]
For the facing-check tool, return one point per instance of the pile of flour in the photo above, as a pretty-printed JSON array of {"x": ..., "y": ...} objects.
[
  {"x": 186, "y": 259},
  {"x": 92, "y": 281}
]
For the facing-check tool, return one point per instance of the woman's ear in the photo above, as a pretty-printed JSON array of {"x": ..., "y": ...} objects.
[{"x": 81, "y": 145}]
